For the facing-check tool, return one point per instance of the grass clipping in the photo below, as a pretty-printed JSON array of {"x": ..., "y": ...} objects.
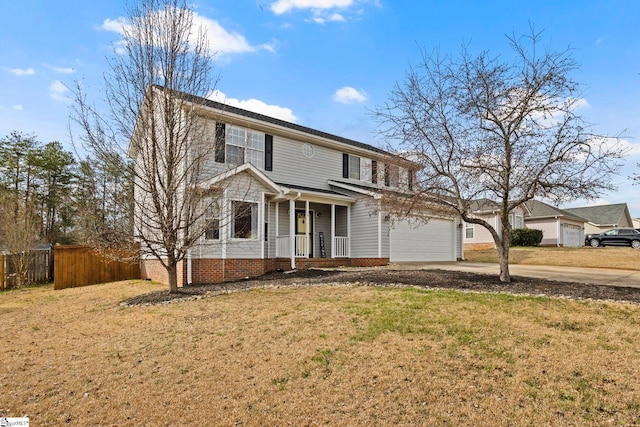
[{"x": 335, "y": 355}]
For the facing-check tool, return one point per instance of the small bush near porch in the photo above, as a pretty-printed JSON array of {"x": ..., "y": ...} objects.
[{"x": 322, "y": 355}]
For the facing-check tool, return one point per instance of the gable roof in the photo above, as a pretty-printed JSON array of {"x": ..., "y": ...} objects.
[
  {"x": 198, "y": 100},
  {"x": 604, "y": 215},
  {"x": 538, "y": 209}
]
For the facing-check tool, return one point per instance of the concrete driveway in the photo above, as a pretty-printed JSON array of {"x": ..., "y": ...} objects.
[{"x": 595, "y": 276}]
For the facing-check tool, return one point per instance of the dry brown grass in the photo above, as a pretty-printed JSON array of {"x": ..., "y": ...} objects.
[
  {"x": 608, "y": 257},
  {"x": 317, "y": 356}
]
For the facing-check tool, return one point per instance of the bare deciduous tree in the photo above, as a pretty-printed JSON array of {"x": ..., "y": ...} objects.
[
  {"x": 163, "y": 57},
  {"x": 483, "y": 127},
  {"x": 19, "y": 226}
]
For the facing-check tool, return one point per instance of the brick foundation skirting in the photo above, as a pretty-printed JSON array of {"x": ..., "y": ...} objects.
[
  {"x": 215, "y": 270},
  {"x": 152, "y": 269}
]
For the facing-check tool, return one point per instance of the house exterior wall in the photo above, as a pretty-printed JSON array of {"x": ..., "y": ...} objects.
[
  {"x": 482, "y": 238},
  {"x": 365, "y": 230},
  {"x": 549, "y": 228},
  {"x": 227, "y": 258},
  {"x": 552, "y": 229}
]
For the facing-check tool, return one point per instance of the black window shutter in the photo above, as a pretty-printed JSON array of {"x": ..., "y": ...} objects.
[
  {"x": 220, "y": 142},
  {"x": 345, "y": 165},
  {"x": 374, "y": 171},
  {"x": 387, "y": 175},
  {"x": 268, "y": 152},
  {"x": 411, "y": 173}
]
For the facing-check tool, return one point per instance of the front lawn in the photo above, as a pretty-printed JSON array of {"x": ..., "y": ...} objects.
[
  {"x": 608, "y": 257},
  {"x": 321, "y": 355}
]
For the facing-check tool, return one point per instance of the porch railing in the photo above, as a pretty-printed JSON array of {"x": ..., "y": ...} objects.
[
  {"x": 341, "y": 247},
  {"x": 283, "y": 248},
  {"x": 302, "y": 246}
]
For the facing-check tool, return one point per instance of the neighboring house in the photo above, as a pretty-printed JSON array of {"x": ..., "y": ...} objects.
[
  {"x": 603, "y": 217},
  {"x": 478, "y": 237},
  {"x": 305, "y": 198},
  {"x": 559, "y": 227},
  {"x": 636, "y": 222}
]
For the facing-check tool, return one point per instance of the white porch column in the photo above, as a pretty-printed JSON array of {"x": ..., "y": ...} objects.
[
  {"x": 261, "y": 227},
  {"x": 379, "y": 232},
  {"x": 277, "y": 224},
  {"x": 292, "y": 232},
  {"x": 349, "y": 230},
  {"x": 306, "y": 227},
  {"x": 225, "y": 224},
  {"x": 333, "y": 230}
]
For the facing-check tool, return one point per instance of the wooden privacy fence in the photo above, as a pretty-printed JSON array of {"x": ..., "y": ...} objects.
[
  {"x": 78, "y": 265},
  {"x": 38, "y": 271}
]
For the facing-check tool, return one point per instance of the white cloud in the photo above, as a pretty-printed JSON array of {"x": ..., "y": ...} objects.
[
  {"x": 632, "y": 149},
  {"x": 58, "y": 91},
  {"x": 114, "y": 25},
  {"x": 221, "y": 41},
  {"x": 256, "y": 106},
  {"x": 61, "y": 70},
  {"x": 22, "y": 71},
  {"x": 349, "y": 95},
  {"x": 282, "y": 6},
  {"x": 17, "y": 107}
]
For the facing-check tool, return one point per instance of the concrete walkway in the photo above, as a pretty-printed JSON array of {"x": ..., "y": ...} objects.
[{"x": 595, "y": 276}]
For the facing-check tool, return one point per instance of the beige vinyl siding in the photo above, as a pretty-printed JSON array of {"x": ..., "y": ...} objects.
[{"x": 549, "y": 228}]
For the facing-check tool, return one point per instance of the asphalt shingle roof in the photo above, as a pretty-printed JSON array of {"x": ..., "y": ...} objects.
[
  {"x": 538, "y": 209},
  {"x": 602, "y": 214},
  {"x": 239, "y": 111}
]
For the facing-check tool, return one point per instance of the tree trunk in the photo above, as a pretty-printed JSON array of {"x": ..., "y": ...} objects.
[
  {"x": 503, "y": 256},
  {"x": 172, "y": 270}
]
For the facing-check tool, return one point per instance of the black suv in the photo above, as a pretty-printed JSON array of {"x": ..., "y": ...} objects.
[{"x": 615, "y": 237}]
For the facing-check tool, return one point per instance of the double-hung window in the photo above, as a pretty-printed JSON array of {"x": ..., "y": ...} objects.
[
  {"x": 212, "y": 219},
  {"x": 236, "y": 145},
  {"x": 244, "y": 220},
  {"x": 468, "y": 230}
]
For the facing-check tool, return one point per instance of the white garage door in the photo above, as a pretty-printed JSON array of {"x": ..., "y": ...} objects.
[
  {"x": 431, "y": 241},
  {"x": 571, "y": 236}
]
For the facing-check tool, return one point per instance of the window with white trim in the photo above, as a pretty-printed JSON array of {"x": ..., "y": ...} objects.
[
  {"x": 244, "y": 145},
  {"x": 354, "y": 167},
  {"x": 244, "y": 220},
  {"x": 212, "y": 218},
  {"x": 516, "y": 221},
  {"x": 468, "y": 230}
]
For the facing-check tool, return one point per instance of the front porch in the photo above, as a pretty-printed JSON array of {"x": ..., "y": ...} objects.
[{"x": 312, "y": 230}]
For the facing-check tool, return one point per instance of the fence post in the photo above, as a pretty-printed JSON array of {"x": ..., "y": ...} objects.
[{"x": 2, "y": 273}]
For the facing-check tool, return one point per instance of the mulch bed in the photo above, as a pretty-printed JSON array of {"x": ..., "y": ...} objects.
[{"x": 428, "y": 279}]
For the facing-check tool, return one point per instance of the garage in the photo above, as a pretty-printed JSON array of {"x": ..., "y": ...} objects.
[
  {"x": 571, "y": 236},
  {"x": 420, "y": 241}
]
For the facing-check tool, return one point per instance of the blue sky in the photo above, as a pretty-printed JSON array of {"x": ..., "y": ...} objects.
[{"x": 325, "y": 63}]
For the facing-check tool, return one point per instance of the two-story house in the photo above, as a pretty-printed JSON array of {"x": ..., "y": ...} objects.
[{"x": 295, "y": 197}]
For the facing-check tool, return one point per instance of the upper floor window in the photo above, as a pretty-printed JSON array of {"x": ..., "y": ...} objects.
[
  {"x": 391, "y": 175},
  {"x": 237, "y": 145},
  {"x": 360, "y": 168},
  {"x": 244, "y": 145}
]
